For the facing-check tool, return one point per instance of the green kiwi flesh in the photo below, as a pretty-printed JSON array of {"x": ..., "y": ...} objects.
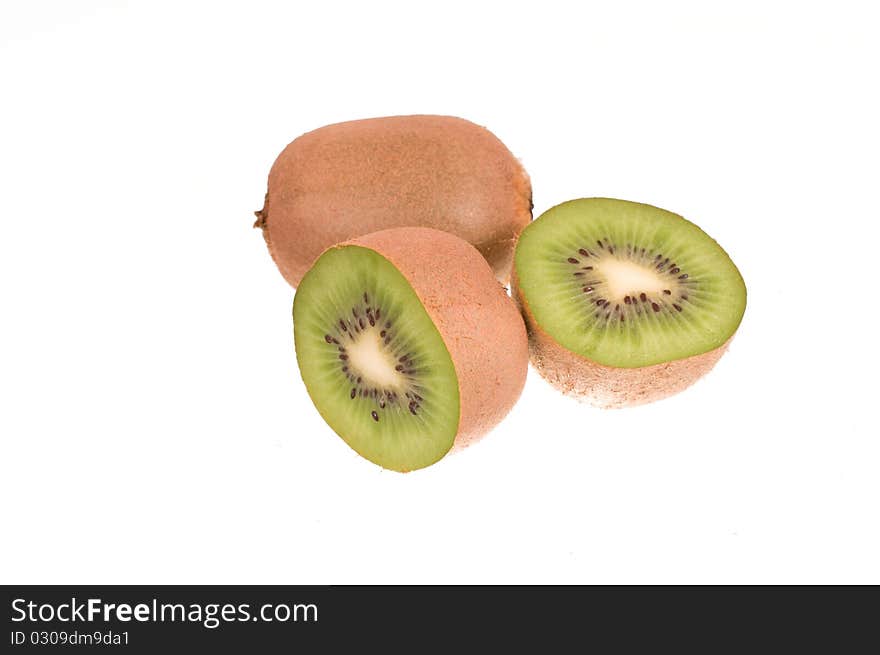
[
  {"x": 627, "y": 285},
  {"x": 373, "y": 362}
]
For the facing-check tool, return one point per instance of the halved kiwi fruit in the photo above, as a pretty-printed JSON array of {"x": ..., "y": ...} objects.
[
  {"x": 408, "y": 345},
  {"x": 625, "y": 303}
]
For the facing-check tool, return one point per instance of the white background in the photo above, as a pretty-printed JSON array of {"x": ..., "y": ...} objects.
[{"x": 154, "y": 425}]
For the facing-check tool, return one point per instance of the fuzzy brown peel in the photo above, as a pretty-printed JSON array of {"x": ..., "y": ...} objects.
[
  {"x": 608, "y": 386},
  {"x": 349, "y": 179},
  {"x": 479, "y": 323}
]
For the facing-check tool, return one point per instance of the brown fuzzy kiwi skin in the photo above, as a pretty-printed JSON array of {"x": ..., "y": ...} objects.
[
  {"x": 345, "y": 180},
  {"x": 609, "y": 386},
  {"x": 479, "y": 323}
]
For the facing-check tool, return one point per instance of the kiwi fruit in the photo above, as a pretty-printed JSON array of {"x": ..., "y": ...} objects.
[
  {"x": 349, "y": 179},
  {"x": 625, "y": 303},
  {"x": 408, "y": 345}
]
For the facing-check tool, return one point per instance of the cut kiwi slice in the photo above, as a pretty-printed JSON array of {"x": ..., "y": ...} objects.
[
  {"x": 622, "y": 285},
  {"x": 373, "y": 362},
  {"x": 391, "y": 335}
]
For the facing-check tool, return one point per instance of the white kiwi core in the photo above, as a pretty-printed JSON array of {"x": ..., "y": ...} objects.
[
  {"x": 371, "y": 358},
  {"x": 626, "y": 278}
]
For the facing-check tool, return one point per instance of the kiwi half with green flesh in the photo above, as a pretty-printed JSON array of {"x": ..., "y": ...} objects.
[
  {"x": 625, "y": 303},
  {"x": 408, "y": 345},
  {"x": 345, "y": 180}
]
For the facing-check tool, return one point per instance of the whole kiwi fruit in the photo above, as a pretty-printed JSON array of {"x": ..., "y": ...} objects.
[{"x": 345, "y": 180}]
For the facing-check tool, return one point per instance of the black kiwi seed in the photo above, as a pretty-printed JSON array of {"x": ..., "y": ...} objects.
[
  {"x": 607, "y": 311},
  {"x": 406, "y": 366}
]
